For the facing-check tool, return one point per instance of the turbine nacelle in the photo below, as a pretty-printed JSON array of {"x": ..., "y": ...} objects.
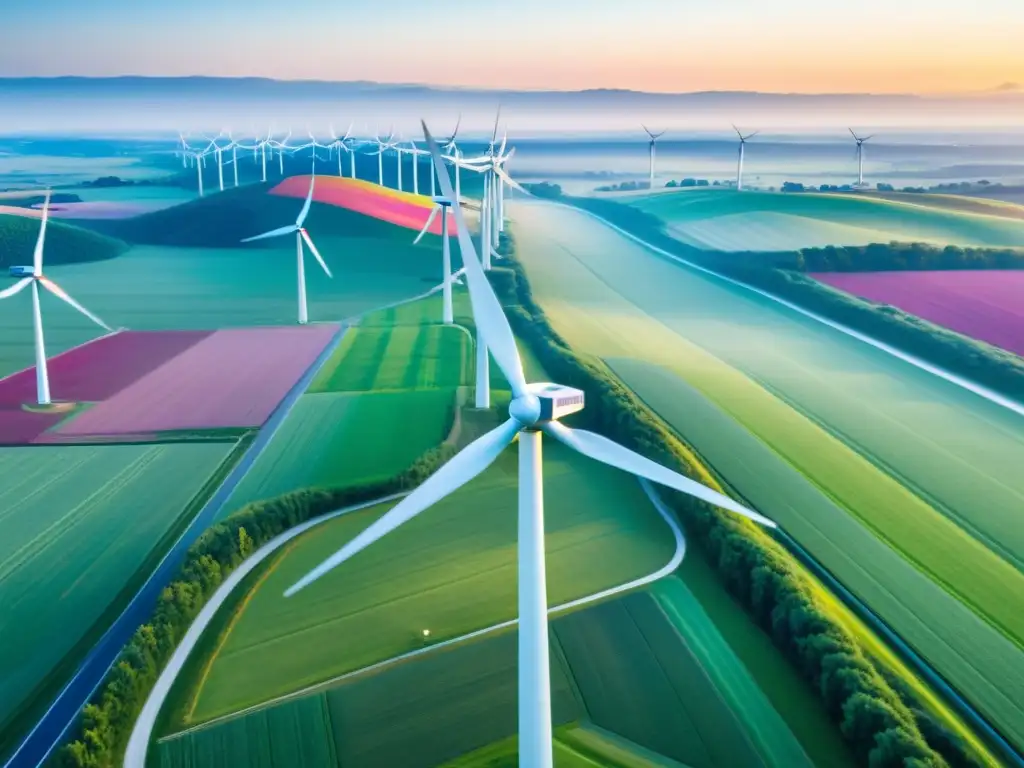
[{"x": 545, "y": 402}]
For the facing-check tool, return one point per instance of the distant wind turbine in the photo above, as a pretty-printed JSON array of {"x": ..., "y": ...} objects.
[
  {"x": 34, "y": 276},
  {"x": 535, "y": 410},
  {"x": 653, "y": 139},
  {"x": 861, "y": 140},
  {"x": 442, "y": 204},
  {"x": 739, "y": 165},
  {"x": 300, "y": 236}
]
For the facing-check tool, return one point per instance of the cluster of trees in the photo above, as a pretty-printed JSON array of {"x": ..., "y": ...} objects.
[
  {"x": 625, "y": 186},
  {"x": 688, "y": 182},
  {"x": 99, "y": 738},
  {"x": 544, "y": 189},
  {"x": 884, "y": 724},
  {"x": 884, "y": 257}
]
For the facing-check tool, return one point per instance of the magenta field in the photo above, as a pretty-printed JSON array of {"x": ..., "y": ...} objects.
[
  {"x": 982, "y": 304},
  {"x": 231, "y": 378}
]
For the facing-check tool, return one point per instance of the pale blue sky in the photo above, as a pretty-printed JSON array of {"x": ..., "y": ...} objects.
[{"x": 660, "y": 45}]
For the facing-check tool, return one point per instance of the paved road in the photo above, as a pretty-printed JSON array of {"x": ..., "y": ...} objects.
[
  {"x": 135, "y": 756},
  {"x": 50, "y": 729}
]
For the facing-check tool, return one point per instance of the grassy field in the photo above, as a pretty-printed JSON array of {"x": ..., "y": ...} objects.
[
  {"x": 642, "y": 680},
  {"x": 398, "y": 357},
  {"x": 762, "y": 221},
  {"x": 872, "y": 465},
  {"x": 162, "y": 287},
  {"x": 78, "y": 523},
  {"x": 451, "y": 570},
  {"x": 332, "y": 440}
]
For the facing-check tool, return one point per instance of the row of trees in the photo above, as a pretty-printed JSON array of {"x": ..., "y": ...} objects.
[
  {"x": 889, "y": 257},
  {"x": 99, "y": 738},
  {"x": 884, "y": 725}
]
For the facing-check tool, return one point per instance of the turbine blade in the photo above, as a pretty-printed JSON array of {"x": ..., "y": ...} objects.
[
  {"x": 487, "y": 312},
  {"x": 273, "y": 233},
  {"x": 316, "y": 253},
  {"x": 37, "y": 257},
  {"x": 494, "y": 135},
  {"x": 18, "y": 287},
  {"x": 462, "y": 468},
  {"x": 608, "y": 452},
  {"x": 59, "y": 292},
  {"x": 309, "y": 201},
  {"x": 510, "y": 181},
  {"x": 430, "y": 220}
]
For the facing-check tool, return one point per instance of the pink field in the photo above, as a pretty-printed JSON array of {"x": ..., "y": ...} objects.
[
  {"x": 982, "y": 304},
  {"x": 403, "y": 209},
  {"x": 232, "y": 378},
  {"x": 18, "y": 427},
  {"x": 98, "y": 370}
]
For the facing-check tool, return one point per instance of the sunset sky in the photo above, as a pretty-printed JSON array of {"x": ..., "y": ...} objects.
[{"x": 808, "y": 46}]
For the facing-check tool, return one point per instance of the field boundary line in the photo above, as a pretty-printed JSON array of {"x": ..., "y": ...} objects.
[
  {"x": 666, "y": 570},
  {"x": 135, "y": 754},
  {"x": 112, "y": 642},
  {"x": 964, "y": 383}
]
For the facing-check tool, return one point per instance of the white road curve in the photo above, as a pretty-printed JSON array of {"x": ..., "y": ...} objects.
[
  {"x": 982, "y": 391},
  {"x": 135, "y": 755}
]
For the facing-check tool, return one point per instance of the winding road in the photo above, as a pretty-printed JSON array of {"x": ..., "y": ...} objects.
[
  {"x": 135, "y": 755},
  {"x": 51, "y": 727}
]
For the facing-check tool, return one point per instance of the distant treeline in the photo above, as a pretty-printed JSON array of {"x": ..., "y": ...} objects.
[
  {"x": 99, "y": 738},
  {"x": 975, "y": 360},
  {"x": 879, "y": 257},
  {"x": 885, "y": 725}
]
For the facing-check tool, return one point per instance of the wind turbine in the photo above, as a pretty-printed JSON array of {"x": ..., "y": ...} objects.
[
  {"x": 382, "y": 147},
  {"x": 442, "y": 204},
  {"x": 340, "y": 144},
  {"x": 300, "y": 236},
  {"x": 535, "y": 410},
  {"x": 739, "y": 166},
  {"x": 860, "y": 155},
  {"x": 35, "y": 278},
  {"x": 654, "y": 138},
  {"x": 451, "y": 148}
]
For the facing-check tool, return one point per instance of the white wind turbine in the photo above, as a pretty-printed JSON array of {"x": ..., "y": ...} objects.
[
  {"x": 300, "y": 236},
  {"x": 860, "y": 155},
  {"x": 341, "y": 144},
  {"x": 739, "y": 165},
  {"x": 654, "y": 138},
  {"x": 442, "y": 204},
  {"x": 382, "y": 147},
  {"x": 534, "y": 411},
  {"x": 451, "y": 148},
  {"x": 35, "y": 278}
]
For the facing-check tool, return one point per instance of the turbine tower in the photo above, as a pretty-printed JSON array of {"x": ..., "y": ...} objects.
[
  {"x": 451, "y": 148},
  {"x": 860, "y": 155},
  {"x": 36, "y": 278},
  {"x": 442, "y": 204},
  {"x": 300, "y": 236},
  {"x": 653, "y": 139},
  {"x": 382, "y": 147},
  {"x": 739, "y": 164},
  {"x": 535, "y": 411}
]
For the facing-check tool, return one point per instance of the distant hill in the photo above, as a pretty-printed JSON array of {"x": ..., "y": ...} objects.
[
  {"x": 65, "y": 243},
  {"x": 224, "y": 219}
]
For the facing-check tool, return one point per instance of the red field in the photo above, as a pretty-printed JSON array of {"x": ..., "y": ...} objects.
[
  {"x": 231, "y": 378},
  {"x": 983, "y": 304},
  {"x": 403, "y": 209}
]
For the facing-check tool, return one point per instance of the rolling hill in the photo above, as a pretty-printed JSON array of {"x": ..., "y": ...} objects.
[{"x": 65, "y": 243}]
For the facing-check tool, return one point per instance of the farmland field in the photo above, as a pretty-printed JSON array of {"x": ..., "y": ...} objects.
[
  {"x": 762, "y": 221},
  {"x": 451, "y": 569},
  {"x": 382, "y": 358},
  {"x": 403, "y": 209},
  {"x": 231, "y": 378},
  {"x": 341, "y": 439},
  {"x": 160, "y": 288},
  {"x": 984, "y": 305},
  {"x": 633, "y": 683},
  {"x": 78, "y": 523},
  {"x": 820, "y": 432}
]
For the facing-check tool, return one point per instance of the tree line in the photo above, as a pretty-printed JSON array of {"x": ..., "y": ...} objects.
[{"x": 884, "y": 724}]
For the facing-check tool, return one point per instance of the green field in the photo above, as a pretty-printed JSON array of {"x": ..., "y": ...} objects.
[
  {"x": 642, "y": 680},
  {"x": 822, "y": 433},
  {"x": 727, "y": 220},
  {"x": 332, "y": 440},
  {"x": 78, "y": 524},
  {"x": 382, "y": 358},
  {"x": 65, "y": 243},
  {"x": 451, "y": 570}
]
